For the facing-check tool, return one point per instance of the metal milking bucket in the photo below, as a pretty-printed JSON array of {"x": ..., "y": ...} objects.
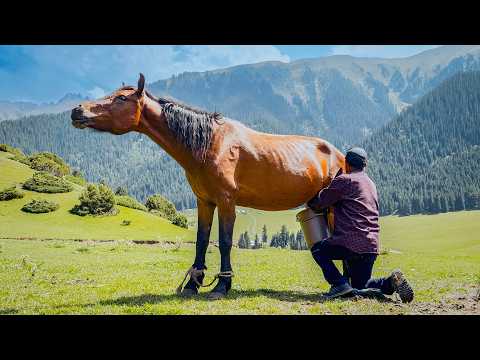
[{"x": 314, "y": 226}]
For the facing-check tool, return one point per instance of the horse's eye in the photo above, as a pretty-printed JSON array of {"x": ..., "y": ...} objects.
[{"x": 122, "y": 97}]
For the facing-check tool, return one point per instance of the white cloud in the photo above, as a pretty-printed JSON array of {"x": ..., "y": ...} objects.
[
  {"x": 47, "y": 72},
  {"x": 381, "y": 51},
  {"x": 105, "y": 67},
  {"x": 96, "y": 92}
]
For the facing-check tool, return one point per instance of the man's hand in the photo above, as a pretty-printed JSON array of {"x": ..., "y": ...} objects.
[
  {"x": 329, "y": 194},
  {"x": 313, "y": 203},
  {"x": 328, "y": 179}
]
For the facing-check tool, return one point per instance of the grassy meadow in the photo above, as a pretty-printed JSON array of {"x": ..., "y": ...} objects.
[
  {"x": 55, "y": 264},
  {"x": 68, "y": 277}
]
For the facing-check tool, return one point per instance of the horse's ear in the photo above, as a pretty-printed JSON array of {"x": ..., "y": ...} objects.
[
  {"x": 123, "y": 84},
  {"x": 141, "y": 84}
]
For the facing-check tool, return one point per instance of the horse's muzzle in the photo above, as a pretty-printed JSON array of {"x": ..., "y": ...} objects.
[{"x": 79, "y": 120}]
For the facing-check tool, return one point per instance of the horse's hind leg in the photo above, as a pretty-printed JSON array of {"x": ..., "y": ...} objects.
[
  {"x": 205, "y": 217},
  {"x": 226, "y": 221}
]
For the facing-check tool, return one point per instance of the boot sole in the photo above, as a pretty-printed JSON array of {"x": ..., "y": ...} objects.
[{"x": 402, "y": 287}]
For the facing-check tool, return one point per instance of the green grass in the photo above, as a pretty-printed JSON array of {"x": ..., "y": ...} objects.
[
  {"x": 440, "y": 254},
  {"x": 65, "y": 277},
  {"x": 61, "y": 224}
]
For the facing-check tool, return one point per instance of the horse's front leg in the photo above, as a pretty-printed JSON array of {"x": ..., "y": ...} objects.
[
  {"x": 205, "y": 217},
  {"x": 226, "y": 221}
]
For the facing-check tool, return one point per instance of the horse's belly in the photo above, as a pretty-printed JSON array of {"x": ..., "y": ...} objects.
[{"x": 278, "y": 191}]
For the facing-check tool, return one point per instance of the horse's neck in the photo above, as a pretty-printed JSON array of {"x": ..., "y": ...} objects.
[{"x": 154, "y": 125}]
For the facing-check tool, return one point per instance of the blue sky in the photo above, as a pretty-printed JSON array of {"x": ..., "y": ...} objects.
[{"x": 45, "y": 73}]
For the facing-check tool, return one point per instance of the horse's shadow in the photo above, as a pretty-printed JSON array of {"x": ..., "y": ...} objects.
[{"x": 281, "y": 295}]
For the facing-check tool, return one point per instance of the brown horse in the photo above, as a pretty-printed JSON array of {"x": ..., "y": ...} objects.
[{"x": 225, "y": 162}]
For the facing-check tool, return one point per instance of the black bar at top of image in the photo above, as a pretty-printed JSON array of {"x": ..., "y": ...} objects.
[
  {"x": 239, "y": 24},
  {"x": 236, "y": 37}
]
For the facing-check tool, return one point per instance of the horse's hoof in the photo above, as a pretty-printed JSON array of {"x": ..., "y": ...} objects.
[
  {"x": 215, "y": 295},
  {"x": 191, "y": 288},
  {"x": 221, "y": 289},
  {"x": 188, "y": 292}
]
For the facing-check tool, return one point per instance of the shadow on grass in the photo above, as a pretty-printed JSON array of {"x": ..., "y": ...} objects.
[
  {"x": 8, "y": 311},
  {"x": 281, "y": 295}
]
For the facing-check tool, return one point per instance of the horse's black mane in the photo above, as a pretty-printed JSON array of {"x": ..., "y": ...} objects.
[{"x": 192, "y": 127}]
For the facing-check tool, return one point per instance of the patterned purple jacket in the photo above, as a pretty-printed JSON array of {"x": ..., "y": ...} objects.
[{"x": 355, "y": 201}]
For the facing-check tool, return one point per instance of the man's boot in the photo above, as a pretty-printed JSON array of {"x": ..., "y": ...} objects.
[{"x": 401, "y": 286}]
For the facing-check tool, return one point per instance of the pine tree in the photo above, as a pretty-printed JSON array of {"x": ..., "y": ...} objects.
[
  {"x": 256, "y": 244},
  {"x": 446, "y": 205},
  {"x": 292, "y": 241},
  {"x": 241, "y": 241},
  {"x": 247, "y": 240},
  {"x": 284, "y": 236},
  {"x": 274, "y": 242},
  {"x": 301, "y": 241},
  {"x": 462, "y": 202},
  {"x": 264, "y": 235},
  {"x": 474, "y": 198}
]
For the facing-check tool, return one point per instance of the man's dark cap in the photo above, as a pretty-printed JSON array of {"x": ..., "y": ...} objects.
[{"x": 357, "y": 157}]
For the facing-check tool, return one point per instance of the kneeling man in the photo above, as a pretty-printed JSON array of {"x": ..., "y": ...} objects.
[{"x": 355, "y": 237}]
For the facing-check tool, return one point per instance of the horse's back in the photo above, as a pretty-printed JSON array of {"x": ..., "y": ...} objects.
[
  {"x": 293, "y": 152},
  {"x": 276, "y": 172}
]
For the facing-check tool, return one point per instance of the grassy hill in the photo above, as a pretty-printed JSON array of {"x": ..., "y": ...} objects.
[
  {"x": 438, "y": 253},
  {"x": 61, "y": 224}
]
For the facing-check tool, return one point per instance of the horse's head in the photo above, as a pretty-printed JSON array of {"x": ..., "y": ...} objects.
[{"x": 117, "y": 113}]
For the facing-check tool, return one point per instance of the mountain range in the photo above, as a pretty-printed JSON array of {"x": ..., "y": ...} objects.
[
  {"x": 340, "y": 98},
  {"x": 11, "y": 110},
  {"x": 346, "y": 100},
  {"x": 427, "y": 160}
]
